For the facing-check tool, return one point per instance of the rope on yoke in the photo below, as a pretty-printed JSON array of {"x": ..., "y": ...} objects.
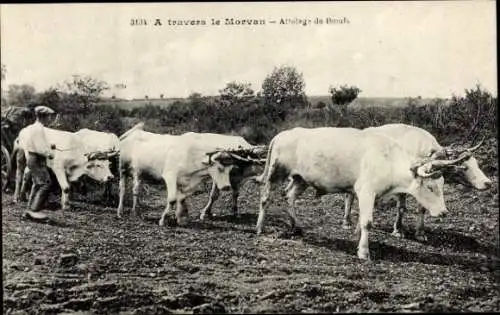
[
  {"x": 95, "y": 155},
  {"x": 255, "y": 154}
]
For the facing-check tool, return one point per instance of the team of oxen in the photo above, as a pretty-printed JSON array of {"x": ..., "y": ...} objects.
[{"x": 394, "y": 159}]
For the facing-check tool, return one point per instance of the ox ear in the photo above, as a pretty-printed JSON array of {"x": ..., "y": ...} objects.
[{"x": 207, "y": 159}]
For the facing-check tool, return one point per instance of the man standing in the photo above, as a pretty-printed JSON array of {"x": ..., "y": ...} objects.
[{"x": 33, "y": 139}]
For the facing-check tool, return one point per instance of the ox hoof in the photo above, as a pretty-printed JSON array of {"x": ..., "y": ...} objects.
[
  {"x": 364, "y": 254},
  {"x": 420, "y": 237},
  {"x": 398, "y": 234},
  {"x": 292, "y": 233},
  {"x": 162, "y": 222},
  {"x": 205, "y": 215},
  {"x": 346, "y": 225}
]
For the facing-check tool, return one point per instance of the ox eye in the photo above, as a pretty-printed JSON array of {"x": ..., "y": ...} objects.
[{"x": 430, "y": 188}]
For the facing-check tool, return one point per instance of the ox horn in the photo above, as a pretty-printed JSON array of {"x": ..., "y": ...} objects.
[
  {"x": 438, "y": 164},
  {"x": 474, "y": 148},
  {"x": 112, "y": 153},
  {"x": 237, "y": 157},
  {"x": 95, "y": 155}
]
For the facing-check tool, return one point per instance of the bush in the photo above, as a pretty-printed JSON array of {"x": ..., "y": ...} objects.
[{"x": 461, "y": 119}]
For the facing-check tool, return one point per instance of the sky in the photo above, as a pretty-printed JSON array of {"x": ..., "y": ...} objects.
[{"x": 387, "y": 49}]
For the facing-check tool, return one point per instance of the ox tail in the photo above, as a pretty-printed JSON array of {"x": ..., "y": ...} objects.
[
  {"x": 138, "y": 126},
  {"x": 260, "y": 178}
]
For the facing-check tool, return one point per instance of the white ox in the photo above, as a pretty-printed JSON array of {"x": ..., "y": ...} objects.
[
  {"x": 72, "y": 159},
  {"x": 336, "y": 160},
  {"x": 182, "y": 162},
  {"x": 419, "y": 143}
]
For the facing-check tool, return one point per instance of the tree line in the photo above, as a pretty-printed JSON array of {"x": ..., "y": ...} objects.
[{"x": 238, "y": 108}]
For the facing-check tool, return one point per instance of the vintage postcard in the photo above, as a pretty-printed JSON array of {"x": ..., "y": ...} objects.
[{"x": 265, "y": 157}]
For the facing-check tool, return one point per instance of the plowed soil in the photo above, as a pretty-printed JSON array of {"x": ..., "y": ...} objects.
[{"x": 91, "y": 262}]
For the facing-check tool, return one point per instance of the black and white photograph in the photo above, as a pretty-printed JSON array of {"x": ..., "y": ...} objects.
[{"x": 249, "y": 157}]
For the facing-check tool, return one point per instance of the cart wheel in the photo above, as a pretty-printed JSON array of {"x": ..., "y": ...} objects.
[{"x": 5, "y": 167}]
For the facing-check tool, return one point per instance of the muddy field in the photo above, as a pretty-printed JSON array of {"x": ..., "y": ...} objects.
[{"x": 90, "y": 261}]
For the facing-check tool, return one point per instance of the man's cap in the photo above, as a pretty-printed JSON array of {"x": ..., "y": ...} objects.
[{"x": 44, "y": 110}]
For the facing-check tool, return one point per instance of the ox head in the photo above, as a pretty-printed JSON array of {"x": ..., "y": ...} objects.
[
  {"x": 427, "y": 184},
  {"x": 97, "y": 165},
  {"x": 224, "y": 163},
  {"x": 468, "y": 171},
  {"x": 249, "y": 162},
  {"x": 219, "y": 165}
]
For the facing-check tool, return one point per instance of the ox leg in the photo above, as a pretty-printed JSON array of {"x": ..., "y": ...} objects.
[
  {"x": 419, "y": 228},
  {"x": 214, "y": 195},
  {"x": 264, "y": 203},
  {"x": 346, "y": 221},
  {"x": 21, "y": 167},
  {"x": 398, "y": 224},
  {"x": 235, "y": 187},
  {"x": 366, "y": 201},
  {"x": 264, "y": 194},
  {"x": 181, "y": 211},
  {"x": 135, "y": 191},
  {"x": 63, "y": 182},
  {"x": 21, "y": 179},
  {"x": 168, "y": 208},
  {"x": 297, "y": 187},
  {"x": 171, "y": 183},
  {"x": 122, "y": 187},
  {"x": 106, "y": 194},
  {"x": 32, "y": 194},
  {"x": 26, "y": 183}
]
